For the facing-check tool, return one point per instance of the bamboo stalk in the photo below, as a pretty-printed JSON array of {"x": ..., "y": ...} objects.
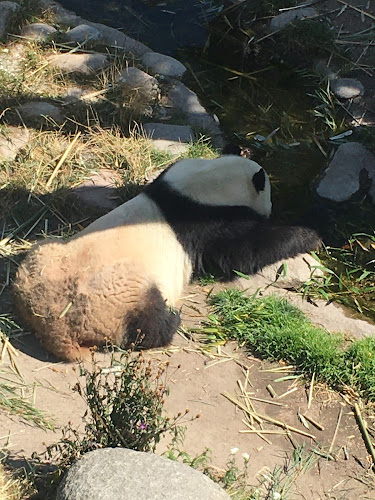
[
  {"x": 260, "y": 417},
  {"x": 314, "y": 422},
  {"x": 357, "y": 9},
  {"x": 336, "y": 431},
  {"x": 365, "y": 434},
  {"x": 311, "y": 391},
  {"x": 62, "y": 159}
]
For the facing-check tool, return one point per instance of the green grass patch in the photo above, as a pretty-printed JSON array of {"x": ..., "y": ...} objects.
[{"x": 274, "y": 329}]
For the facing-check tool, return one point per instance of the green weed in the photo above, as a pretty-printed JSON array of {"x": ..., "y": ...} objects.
[{"x": 274, "y": 329}]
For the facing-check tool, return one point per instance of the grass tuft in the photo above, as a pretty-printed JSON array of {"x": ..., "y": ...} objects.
[{"x": 274, "y": 329}]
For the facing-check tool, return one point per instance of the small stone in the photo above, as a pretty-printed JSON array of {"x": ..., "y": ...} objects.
[
  {"x": 163, "y": 65},
  {"x": 79, "y": 63},
  {"x": 38, "y": 31},
  {"x": 187, "y": 101},
  {"x": 39, "y": 109},
  {"x": 347, "y": 88},
  {"x": 99, "y": 190},
  {"x": 12, "y": 140},
  {"x": 7, "y": 10},
  {"x": 83, "y": 33},
  {"x": 279, "y": 22},
  {"x": 123, "y": 474},
  {"x": 342, "y": 178},
  {"x": 140, "y": 81}
]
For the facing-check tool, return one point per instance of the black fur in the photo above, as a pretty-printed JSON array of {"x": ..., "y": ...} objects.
[
  {"x": 227, "y": 238},
  {"x": 259, "y": 180},
  {"x": 153, "y": 324}
]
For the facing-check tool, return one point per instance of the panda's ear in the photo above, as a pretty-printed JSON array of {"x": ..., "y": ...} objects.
[{"x": 259, "y": 180}]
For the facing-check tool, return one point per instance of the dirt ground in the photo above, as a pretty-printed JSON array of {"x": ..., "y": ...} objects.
[{"x": 199, "y": 385}]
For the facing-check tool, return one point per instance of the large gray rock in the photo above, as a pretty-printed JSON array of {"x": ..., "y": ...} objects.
[
  {"x": 187, "y": 101},
  {"x": 79, "y": 63},
  {"x": 12, "y": 140},
  {"x": 163, "y": 65},
  {"x": 279, "y": 22},
  {"x": 347, "y": 88},
  {"x": 122, "y": 474},
  {"x": 342, "y": 178},
  {"x": 7, "y": 10},
  {"x": 139, "y": 81},
  {"x": 39, "y": 109},
  {"x": 38, "y": 31},
  {"x": 83, "y": 33}
]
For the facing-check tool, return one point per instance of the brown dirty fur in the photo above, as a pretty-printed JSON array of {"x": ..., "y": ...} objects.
[{"x": 69, "y": 302}]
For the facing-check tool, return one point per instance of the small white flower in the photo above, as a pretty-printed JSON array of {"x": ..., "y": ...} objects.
[
  {"x": 276, "y": 495},
  {"x": 233, "y": 450},
  {"x": 246, "y": 456}
]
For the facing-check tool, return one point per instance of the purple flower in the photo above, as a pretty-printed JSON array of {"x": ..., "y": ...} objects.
[{"x": 142, "y": 426}]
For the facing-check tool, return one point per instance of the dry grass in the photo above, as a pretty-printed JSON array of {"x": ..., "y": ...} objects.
[{"x": 12, "y": 488}]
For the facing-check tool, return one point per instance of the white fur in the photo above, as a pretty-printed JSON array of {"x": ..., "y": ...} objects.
[
  {"x": 227, "y": 180},
  {"x": 138, "y": 230}
]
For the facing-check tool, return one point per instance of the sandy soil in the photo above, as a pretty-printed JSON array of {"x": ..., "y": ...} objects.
[{"x": 199, "y": 385}]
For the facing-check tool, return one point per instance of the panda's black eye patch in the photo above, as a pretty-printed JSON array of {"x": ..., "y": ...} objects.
[{"x": 259, "y": 180}]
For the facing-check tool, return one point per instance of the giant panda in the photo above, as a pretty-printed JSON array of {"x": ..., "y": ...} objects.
[{"x": 119, "y": 279}]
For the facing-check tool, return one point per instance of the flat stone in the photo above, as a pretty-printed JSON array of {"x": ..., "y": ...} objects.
[
  {"x": 178, "y": 133},
  {"x": 79, "y": 63},
  {"x": 12, "y": 140},
  {"x": 172, "y": 139},
  {"x": 163, "y": 65},
  {"x": 341, "y": 179},
  {"x": 38, "y": 31},
  {"x": 187, "y": 101},
  {"x": 279, "y": 22},
  {"x": 39, "y": 109},
  {"x": 347, "y": 88},
  {"x": 7, "y": 10},
  {"x": 140, "y": 81},
  {"x": 123, "y": 474},
  {"x": 99, "y": 190},
  {"x": 83, "y": 33}
]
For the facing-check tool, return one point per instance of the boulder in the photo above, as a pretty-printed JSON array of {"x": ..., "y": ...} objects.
[
  {"x": 79, "y": 63},
  {"x": 187, "y": 101},
  {"x": 163, "y": 65},
  {"x": 344, "y": 176},
  {"x": 137, "y": 80},
  {"x": 7, "y": 10},
  {"x": 38, "y": 31},
  {"x": 279, "y": 22},
  {"x": 83, "y": 33},
  {"x": 39, "y": 109},
  {"x": 12, "y": 140},
  {"x": 122, "y": 474}
]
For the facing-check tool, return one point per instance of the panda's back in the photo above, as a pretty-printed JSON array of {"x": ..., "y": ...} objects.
[{"x": 138, "y": 232}]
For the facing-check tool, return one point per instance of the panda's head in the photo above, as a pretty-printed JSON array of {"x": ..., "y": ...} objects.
[{"x": 225, "y": 181}]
